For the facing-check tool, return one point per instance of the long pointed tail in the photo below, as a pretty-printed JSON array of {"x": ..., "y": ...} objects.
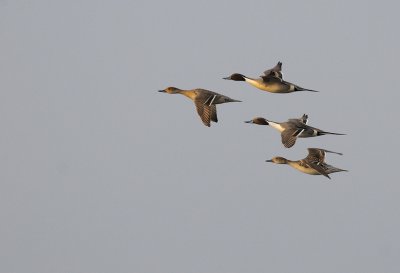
[
  {"x": 298, "y": 88},
  {"x": 233, "y": 100},
  {"x": 321, "y": 133},
  {"x": 332, "y": 169},
  {"x": 327, "y": 151}
]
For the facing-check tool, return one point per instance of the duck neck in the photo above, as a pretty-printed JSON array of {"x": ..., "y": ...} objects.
[
  {"x": 294, "y": 164},
  {"x": 275, "y": 125},
  {"x": 251, "y": 81},
  {"x": 291, "y": 163},
  {"x": 187, "y": 93}
]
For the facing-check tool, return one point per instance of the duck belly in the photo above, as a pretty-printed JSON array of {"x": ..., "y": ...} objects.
[
  {"x": 270, "y": 87},
  {"x": 304, "y": 169},
  {"x": 276, "y": 88}
]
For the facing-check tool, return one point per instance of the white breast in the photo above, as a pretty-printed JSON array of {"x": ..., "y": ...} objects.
[
  {"x": 277, "y": 126},
  {"x": 256, "y": 84}
]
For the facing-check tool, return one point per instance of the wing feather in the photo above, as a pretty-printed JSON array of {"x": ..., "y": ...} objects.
[
  {"x": 275, "y": 71},
  {"x": 289, "y": 137},
  {"x": 214, "y": 113},
  {"x": 204, "y": 112}
]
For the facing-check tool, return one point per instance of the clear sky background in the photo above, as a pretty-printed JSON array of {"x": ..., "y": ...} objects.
[{"x": 101, "y": 173}]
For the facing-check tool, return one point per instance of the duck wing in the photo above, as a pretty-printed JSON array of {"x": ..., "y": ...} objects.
[
  {"x": 271, "y": 78},
  {"x": 289, "y": 137},
  {"x": 315, "y": 155},
  {"x": 214, "y": 113},
  {"x": 319, "y": 168},
  {"x": 275, "y": 71},
  {"x": 205, "y": 111},
  {"x": 318, "y": 155},
  {"x": 304, "y": 118}
]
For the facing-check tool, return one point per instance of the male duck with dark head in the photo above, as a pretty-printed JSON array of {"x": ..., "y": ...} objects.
[
  {"x": 204, "y": 100},
  {"x": 292, "y": 129},
  {"x": 313, "y": 164},
  {"x": 272, "y": 81}
]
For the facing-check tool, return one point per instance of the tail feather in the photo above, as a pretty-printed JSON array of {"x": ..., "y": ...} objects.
[
  {"x": 327, "y": 151},
  {"x": 332, "y": 169},
  {"x": 321, "y": 133},
  {"x": 298, "y": 88}
]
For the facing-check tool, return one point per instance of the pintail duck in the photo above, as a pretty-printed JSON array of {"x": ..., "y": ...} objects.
[
  {"x": 313, "y": 163},
  {"x": 292, "y": 129},
  {"x": 272, "y": 81},
  {"x": 204, "y": 100}
]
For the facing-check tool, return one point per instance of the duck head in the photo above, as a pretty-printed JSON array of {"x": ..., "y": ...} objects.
[
  {"x": 236, "y": 77},
  {"x": 259, "y": 121},
  {"x": 170, "y": 90},
  {"x": 277, "y": 160}
]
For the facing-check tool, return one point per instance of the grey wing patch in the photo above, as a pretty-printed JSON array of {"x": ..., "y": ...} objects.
[
  {"x": 319, "y": 168},
  {"x": 289, "y": 137},
  {"x": 204, "y": 112},
  {"x": 271, "y": 79},
  {"x": 298, "y": 123},
  {"x": 275, "y": 71}
]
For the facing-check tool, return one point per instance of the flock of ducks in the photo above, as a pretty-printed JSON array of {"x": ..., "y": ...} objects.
[{"x": 271, "y": 81}]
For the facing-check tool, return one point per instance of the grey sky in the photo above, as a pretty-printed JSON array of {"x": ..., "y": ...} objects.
[{"x": 101, "y": 173}]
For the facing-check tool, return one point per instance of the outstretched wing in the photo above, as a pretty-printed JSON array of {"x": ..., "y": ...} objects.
[
  {"x": 205, "y": 111},
  {"x": 271, "y": 79},
  {"x": 304, "y": 118},
  {"x": 214, "y": 113},
  {"x": 274, "y": 72},
  {"x": 315, "y": 155},
  {"x": 319, "y": 168},
  {"x": 318, "y": 155},
  {"x": 289, "y": 137}
]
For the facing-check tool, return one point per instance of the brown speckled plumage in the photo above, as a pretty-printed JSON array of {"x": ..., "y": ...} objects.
[
  {"x": 314, "y": 163},
  {"x": 204, "y": 100}
]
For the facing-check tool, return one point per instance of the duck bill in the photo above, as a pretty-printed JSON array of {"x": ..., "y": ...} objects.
[
  {"x": 269, "y": 160},
  {"x": 249, "y": 121},
  {"x": 162, "y": 91}
]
